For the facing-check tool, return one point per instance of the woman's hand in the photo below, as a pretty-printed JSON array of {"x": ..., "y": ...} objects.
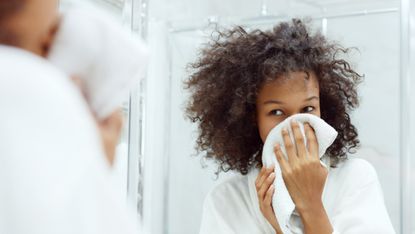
[
  {"x": 305, "y": 177},
  {"x": 265, "y": 190},
  {"x": 110, "y": 129}
]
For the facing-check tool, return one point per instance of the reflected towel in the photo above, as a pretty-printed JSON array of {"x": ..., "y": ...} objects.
[
  {"x": 91, "y": 46},
  {"x": 281, "y": 201}
]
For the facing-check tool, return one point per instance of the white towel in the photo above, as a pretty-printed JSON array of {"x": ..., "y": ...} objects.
[
  {"x": 281, "y": 201},
  {"x": 109, "y": 60}
]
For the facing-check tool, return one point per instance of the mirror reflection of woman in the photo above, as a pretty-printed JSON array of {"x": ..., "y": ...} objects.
[
  {"x": 55, "y": 159},
  {"x": 246, "y": 83}
]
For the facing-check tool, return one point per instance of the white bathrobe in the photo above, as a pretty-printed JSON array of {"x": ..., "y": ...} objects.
[
  {"x": 53, "y": 175},
  {"x": 352, "y": 198}
]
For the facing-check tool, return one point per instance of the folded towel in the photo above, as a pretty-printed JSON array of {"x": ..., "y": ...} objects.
[
  {"x": 281, "y": 201},
  {"x": 109, "y": 60}
]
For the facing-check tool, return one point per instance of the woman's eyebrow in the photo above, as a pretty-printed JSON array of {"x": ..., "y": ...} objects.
[
  {"x": 280, "y": 102},
  {"x": 273, "y": 102},
  {"x": 311, "y": 98}
]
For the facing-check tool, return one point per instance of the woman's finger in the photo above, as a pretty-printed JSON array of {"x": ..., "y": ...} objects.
[
  {"x": 311, "y": 140},
  {"x": 299, "y": 140},
  {"x": 115, "y": 121},
  {"x": 264, "y": 173},
  {"x": 289, "y": 147},
  {"x": 284, "y": 165},
  {"x": 265, "y": 186},
  {"x": 258, "y": 178},
  {"x": 268, "y": 195}
]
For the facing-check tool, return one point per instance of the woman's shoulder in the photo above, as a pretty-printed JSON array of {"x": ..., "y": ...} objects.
[
  {"x": 357, "y": 166},
  {"x": 353, "y": 170},
  {"x": 234, "y": 189},
  {"x": 351, "y": 178},
  {"x": 230, "y": 203},
  {"x": 235, "y": 183}
]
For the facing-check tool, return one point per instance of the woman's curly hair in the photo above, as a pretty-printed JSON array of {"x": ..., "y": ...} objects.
[{"x": 231, "y": 70}]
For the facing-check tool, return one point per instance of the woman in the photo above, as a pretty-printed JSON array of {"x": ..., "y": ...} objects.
[{"x": 246, "y": 83}]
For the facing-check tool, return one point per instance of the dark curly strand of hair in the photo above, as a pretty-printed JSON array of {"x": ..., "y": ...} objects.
[{"x": 226, "y": 79}]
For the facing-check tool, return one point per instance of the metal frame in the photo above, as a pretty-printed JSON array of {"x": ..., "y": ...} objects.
[
  {"x": 271, "y": 19},
  {"x": 166, "y": 164},
  {"x": 405, "y": 104},
  {"x": 136, "y": 119}
]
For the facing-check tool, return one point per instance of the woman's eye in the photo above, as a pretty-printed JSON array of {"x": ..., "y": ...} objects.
[
  {"x": 308, "y": 109},
  {"x": 277, "y": 112}
]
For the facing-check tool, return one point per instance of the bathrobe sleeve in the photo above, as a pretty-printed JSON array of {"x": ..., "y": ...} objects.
[
  {"x": 362, "y": 210},
  {"x": 231, "y": 208},
  {"x": 213, "y": 221}
]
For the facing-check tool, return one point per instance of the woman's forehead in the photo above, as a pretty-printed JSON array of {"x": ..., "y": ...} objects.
[{"x": 292, "y": 84}]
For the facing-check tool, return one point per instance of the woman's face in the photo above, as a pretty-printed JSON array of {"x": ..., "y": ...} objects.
[
  {"x": 292, "y": 94},
  {"x": 34, "y": 25}
]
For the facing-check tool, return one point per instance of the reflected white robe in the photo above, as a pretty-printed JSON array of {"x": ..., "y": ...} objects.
[
  {"x": 352, "y": 198},
  {"x": 53, "y": 175}
]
